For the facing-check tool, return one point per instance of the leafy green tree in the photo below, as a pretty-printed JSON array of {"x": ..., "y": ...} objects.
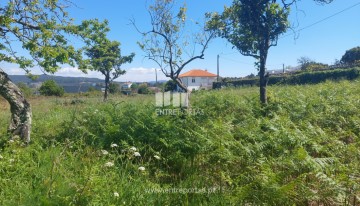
[
  {"x": 167, "y": 43},
  {"x": 351, "y": 56},
  {"x": 304, "y": 62},
  {"x": 51, "y": 88},
  {"x": 307, "y": 64},
  {"x": 103, "y": 55},
  {"x": 38, "y": 27},
  {"x": 143, "y": 89},
  {"x": 134, "y": 86},
  {"x": 170, "y": 86},
  {"x": 252, "y": 27}
]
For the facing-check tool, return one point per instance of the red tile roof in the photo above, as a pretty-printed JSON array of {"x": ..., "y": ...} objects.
[{"x": 197, "y": 73}]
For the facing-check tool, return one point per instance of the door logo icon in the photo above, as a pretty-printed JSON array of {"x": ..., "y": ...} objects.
[{"x": 163, "y": 99}]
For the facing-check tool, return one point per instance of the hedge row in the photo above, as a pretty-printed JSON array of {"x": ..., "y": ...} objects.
[{"x": 302, "y": 78}]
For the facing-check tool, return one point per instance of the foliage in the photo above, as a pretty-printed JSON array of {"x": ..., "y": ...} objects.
[
  {"x": 134, "y": 86},
  {"x": 51, "y": 88},
  {"x": 301, "y": 78},
  {"x": 170, "y": 86},
  {"x": 252, "y": 27},
  {"x": 307, "y": 64},
  {"x": 114, "y": 88},
  {"x": 351, "y": 56},
  {"x": 25, "y": 89},
  {"x": 168, "y": 43},
  {"x": 143, "y": 89},
  {"x": 40, "y": 27},
  {"x": 300, "y": 149},
  {"x": 304, "y": 62},
  {"x": 92, "y": 89},
  {"x": 103, "y": 55}
]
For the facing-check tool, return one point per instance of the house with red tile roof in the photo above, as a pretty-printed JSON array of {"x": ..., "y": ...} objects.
[{"x": 198, "y": 79}]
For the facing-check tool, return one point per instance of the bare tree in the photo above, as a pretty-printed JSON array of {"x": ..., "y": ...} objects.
[{"x": 168, "y": 43}]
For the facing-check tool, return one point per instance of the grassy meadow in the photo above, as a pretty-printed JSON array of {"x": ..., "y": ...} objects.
[{"x": 302, "y": 148}]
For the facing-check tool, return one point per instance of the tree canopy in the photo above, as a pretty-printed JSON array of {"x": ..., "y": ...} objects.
[
  {"x": 103, "y": 54},
  {"x": 51, "y": 88},
  {"x": 41, "y": 28},
  {"x": 351, "y": 56},
  {"x": 252, "y": 27}
]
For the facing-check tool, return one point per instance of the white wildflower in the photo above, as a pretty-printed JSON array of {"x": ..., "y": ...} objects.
[
  {"x": 104, "y": 152},
  {"x": 137, "y": 154},
  {"x": 133, "y": 149},
  {"x": 142, "y": 168},
  {"x": 84, "y": 112},
  {"x": 113, "y": 145},
  {"x": 1, "y": 157},
  {"x": 109, "y": 164},
  {"x": 157, "y": 157},
  {"x": 11, "y": 160},
  {"x": 11, "y": 141},
  {"x": 116, "y": 194}
]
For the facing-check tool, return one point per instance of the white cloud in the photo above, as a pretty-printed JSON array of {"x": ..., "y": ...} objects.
[
  {"x": 141, "y": 74},
  {"x": 74, "y": 72},
  {"x": 16, "y": 71}
]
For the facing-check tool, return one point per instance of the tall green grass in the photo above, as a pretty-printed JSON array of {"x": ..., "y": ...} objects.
[{"x": 300, "y": 149}]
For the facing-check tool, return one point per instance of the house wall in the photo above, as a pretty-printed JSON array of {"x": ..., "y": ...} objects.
[{"x": 200, "y": 82}]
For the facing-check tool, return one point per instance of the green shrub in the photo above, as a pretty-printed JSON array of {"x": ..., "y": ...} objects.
[
  {"x": 27, "y": 91},
  {"x": 309, "y": 77},
  {"x": 51, "y": 88},
  {"x": 143, "y": 89}
]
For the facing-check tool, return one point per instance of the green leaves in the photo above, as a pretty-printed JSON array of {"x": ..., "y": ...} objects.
[
  {"x": 351, "y": 56},
  {"x": 50, "y": 88},
  {"x": 40, "y": 27},
  {"x": 251, "y": 26},
  {"x": 103, "y": 55}
]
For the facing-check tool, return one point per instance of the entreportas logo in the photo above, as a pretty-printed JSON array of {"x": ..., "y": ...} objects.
[
  {"x": 177, "y": 99},
  {"x": 168, "y": 103}
]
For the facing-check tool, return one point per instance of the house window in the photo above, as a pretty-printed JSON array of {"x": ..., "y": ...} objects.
[{"x": 193, "y": 80}]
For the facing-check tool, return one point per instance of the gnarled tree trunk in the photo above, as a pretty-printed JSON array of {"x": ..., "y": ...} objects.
[
  {"x": 180, "y": 84},
  {"x": 21, "y": 115}
]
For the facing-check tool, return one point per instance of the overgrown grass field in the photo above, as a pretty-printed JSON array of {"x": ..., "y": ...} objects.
[{"x": 301, "y": 149}]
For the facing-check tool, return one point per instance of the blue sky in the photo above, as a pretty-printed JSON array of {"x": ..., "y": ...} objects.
[{"x": 323, "y": 42}]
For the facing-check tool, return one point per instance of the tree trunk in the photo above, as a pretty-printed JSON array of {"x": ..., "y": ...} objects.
[
  {"x": 180, "y": 84},
  {"x": 263, "y": 77},
  {"x": 21, "y": 115},
  {"x": 107, "y": 85}
]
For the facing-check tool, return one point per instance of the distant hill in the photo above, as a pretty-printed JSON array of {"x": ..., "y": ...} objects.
[
  {"x": 70, "y": 84},
  {"x": 58, "y": 79}
]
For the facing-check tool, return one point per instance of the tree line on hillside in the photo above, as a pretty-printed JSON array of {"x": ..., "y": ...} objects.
[
  {"x": 42, "y": 28},
  {"x": 307, "y": 77}
]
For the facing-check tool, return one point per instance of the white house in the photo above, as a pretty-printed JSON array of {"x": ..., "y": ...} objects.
[
  {"x": 198, "y": 79},
  {"x": 126, "y": 86}
]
